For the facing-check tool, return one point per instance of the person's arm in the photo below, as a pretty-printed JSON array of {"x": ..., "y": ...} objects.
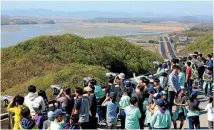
[
  {"x": 77, "y": 106},
  {"x": 139, "y": 113},
  {"x": 169, "y": 121},
  {"x": 59, "y": 95},
  {"x": 187, "y": 74},
  {"x": 10, "y": 108},
  {"x": 105, "y": 101},
  {"x": 115, "y": 80},
  {"x": 153, "y": 120},
  {"x": 135, "y": 78}
]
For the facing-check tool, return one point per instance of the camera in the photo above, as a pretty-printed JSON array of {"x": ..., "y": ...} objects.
[{"x": 56, "y": 89}]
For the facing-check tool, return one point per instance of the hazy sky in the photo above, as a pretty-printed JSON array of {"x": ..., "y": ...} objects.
[{"x": 158, "y": 7}]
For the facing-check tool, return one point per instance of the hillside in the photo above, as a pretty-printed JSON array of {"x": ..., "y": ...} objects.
[
  {"x": 204, "y": 45},
  {"x": 7, "y": 20},
  {"x": 66, "y": 59}
]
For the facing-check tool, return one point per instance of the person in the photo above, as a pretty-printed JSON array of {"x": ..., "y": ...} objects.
[
  {"x": 210, "y": 61},
  {"x": 33, "y": 98},
  {"x": 140, "y": 100},
  {"x": 180, "y": 112},
  {"x": 100, "y": 96},
  {"x": 82, "y": 108},
  {"x": 181, "y": 76},
  {"x": 27, "y": 122},
  {"x": 38, "y": 118},
  {"x": 119, "y": 85},
  {"x": 151, "y": 92},
  {"x": 151, "y": 108},
  {"x": 50, "y": 119},
  {"x": 208, "y": 79},
  {"x": 66, "y": 100},
  {"x": 111, "y": 113},
  {"x": 157, "y": 86},
  {"x": 124, "y": 102},
  {"x": 174, "y": 87},
  {"x": 93, "y": 106},
  {"x": 44, "y": 96},
  {"x": 210, "y": 113},
  {"x": 189, "y": 77},
  {"x": 161, "y": 119},
  {"x": 193, "y": 111},
  {"x": 132, "y": 115},
  {"x": 74, "y": 123},
  {"x": 163, "y": 80},
  {"x": 163, "y": 95},
  {"x": 15, "y": 107},
  {"x": 58, "y": 122}
]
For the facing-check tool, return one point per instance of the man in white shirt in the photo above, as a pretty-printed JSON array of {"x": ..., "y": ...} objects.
[{"x": 33, "y": 98}]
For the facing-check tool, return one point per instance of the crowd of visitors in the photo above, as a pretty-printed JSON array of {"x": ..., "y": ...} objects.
[{"x": 156, "y": 101}]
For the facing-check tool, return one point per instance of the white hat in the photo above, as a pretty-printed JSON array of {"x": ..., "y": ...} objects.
[{"x": 121, "y": 76}]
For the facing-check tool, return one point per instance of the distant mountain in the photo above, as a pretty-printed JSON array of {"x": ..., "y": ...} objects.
[
  {"x": 44, "y": 13},
  {"x": 8, "y": 20}
]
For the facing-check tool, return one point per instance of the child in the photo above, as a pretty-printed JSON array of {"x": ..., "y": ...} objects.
[
  {"x": 193, "y": 111},
  {"x": 124, "y": 102},
  {"x": 47, "y": 123},
  {"x": 15, "y": 107},
  {"x": 74, "y": 122},
  {"x": 207, "y": 86},
  {"x": 111, "y": 113},
  {"x": 132, "y": 115},
  {"x": 162, "y": 117},
  {"x": 180, "y": 112},
  {"x": 157, "y": 86},
  {"x": 58, "y": 122},
  {"x": 210, "y": 113},
  {"x": 151, "y": 108},
  {"x": 38, "y": 118},
  {"x": 27, "y": 122}
]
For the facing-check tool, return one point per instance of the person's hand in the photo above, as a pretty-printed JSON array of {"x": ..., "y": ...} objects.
[
  {"x": 107, "y": 98},
  {"x": 134, "y": 73},
  {"x": 61, "y": 91}
]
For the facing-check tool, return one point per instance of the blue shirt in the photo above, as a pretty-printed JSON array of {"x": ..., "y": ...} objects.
[
  {"x": 210, "y": 63},
  {"x": 111, "y": 113},
  {"x": 173, "y": 81}
]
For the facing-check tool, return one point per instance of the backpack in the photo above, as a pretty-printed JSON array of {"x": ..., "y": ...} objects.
[{"x": 69, "y": 107}]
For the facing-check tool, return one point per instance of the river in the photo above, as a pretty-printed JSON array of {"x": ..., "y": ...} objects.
[{"x": 13, "y": 34}]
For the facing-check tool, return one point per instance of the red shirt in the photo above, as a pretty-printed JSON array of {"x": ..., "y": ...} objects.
[{"x": 188, "y": 72}]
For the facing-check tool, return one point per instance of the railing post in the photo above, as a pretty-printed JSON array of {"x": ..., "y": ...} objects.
[{"x": 10, "y": 120}]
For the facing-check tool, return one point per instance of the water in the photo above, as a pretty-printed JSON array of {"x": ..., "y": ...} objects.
[{"x": 13, "y": 34}]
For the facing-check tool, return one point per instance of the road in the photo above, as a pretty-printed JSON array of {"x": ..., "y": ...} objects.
[
  {"x": 162, "y": 48},
  {"x": 169, "y": 46}
]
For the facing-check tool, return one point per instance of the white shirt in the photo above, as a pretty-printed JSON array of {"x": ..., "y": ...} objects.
[{"x": 210, "y": 112}]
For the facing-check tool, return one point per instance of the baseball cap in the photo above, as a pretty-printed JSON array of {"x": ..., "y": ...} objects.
[
  {"x": 57, "y": 112},
  {"x": 111, "y": 94},
  {"x": 121, "y": 76},
  {"x": 164, "y": 65},
  {"x": 51, "y": 115},
  {"x": 156, "y": 96},
  {"x": 151, "y": 89},
  {"x": 162, "y": 93},
  {"x": 160, "y": 102},
  {"x": 127, "y": 83},
  {"x": 194, "y": 93}
]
